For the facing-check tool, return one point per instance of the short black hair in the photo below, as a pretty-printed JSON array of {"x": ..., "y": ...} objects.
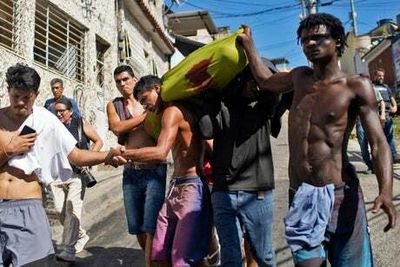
[
  {"x": 65, "y": 101},
  {"x": 123, "y": 68},
  {"x": 332, "y": 23},
  {"x": 57, "y": 80},
  {"x": 146, "y": 83},
  {"x": 21, "y": 76}
]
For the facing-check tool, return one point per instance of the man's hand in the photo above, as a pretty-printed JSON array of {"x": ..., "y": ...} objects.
[
  {"x": 114, "y": 157},
  {"x": 245, "y": 37},
  {"x": 385, "y": 203},
  {"x": 20, "y": 144},
  {"x": 382, "y": 119}
]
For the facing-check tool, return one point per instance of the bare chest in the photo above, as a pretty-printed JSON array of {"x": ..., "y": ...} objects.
[
  {"x": 321, "y": 105},
  {"x": 135, "y": 109}
]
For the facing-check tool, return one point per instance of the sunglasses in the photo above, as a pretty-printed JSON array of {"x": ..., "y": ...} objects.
[
  {"x": 59, "y": 111},
  {"x": 318, "y": 38}
]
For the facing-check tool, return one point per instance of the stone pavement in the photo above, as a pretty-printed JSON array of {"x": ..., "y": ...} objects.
[{"x": 111, "y": 245}]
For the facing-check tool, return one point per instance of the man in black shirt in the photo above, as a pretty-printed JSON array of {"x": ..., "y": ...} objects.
[{"x": 242, "y": 170}]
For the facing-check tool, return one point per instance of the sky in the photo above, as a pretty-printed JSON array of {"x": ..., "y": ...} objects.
[{"x": 274, "y": 22}]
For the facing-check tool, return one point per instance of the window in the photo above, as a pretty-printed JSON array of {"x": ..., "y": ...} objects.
[
  {"x": 101, "y": 48},
  {"x": 59, "y": 41},
  {"x": 7, "y": 23}
]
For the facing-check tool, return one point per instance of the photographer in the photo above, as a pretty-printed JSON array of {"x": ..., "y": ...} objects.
[{"x": 68, "y": 195}]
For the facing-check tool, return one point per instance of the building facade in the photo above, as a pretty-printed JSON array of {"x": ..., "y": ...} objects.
[{"x": 81, "y": 42}]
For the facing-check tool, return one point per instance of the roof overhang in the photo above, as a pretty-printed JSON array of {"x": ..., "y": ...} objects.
[
  {"x": 187, "y": 23},
  {"x": 376, "y": 50},
  {"x": 141, "y": 12}
]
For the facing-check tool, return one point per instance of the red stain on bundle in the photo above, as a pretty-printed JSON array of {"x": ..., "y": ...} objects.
[{"x": 198, "y": 76}]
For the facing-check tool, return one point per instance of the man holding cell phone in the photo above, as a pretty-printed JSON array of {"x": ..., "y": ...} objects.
[{"x": 27, "y": 160}]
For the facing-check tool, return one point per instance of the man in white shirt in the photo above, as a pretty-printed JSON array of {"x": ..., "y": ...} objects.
[{"x": 28, "y": 160}]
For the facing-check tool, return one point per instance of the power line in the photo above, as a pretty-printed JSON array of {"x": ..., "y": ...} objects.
[{"x": 230, "y": 15}]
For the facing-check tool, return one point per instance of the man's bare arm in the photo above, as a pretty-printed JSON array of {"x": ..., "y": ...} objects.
[
  {"x": 170, "y": 121},
  {"x": 278, "y": 83},
  {"x": 381, "y": 155},
  {"x": 382, "y": 115},
  {"x": 393, "y": 106},
  {"x": 120, "y": 127},
  {"x": 83, "y": 158},
  {"x": 93, "y": 136}
]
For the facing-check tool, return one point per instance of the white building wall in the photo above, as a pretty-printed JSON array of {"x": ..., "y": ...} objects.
[{"x": 98, "y": 17}]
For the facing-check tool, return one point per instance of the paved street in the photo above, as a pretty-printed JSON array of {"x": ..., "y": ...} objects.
[{"x": 111, "y": 245}]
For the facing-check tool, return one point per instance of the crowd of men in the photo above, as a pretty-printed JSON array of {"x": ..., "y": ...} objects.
[{"x": 326, "y": 218}]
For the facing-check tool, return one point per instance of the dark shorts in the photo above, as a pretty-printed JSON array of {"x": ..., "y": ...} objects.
[
  {"x": 25, "y": 235},
  {"x": 347, "y": 240},
  {"x": 184, "y": 223},
  {"x": 144, "y": 193}
]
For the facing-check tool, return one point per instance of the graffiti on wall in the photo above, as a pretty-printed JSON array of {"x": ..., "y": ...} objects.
[
  {"x": 79, "y": 96},
  {"x": 88, "y": 9},
  {"x": 3, "y": 90},
  {"x": 89, "y": 110}
]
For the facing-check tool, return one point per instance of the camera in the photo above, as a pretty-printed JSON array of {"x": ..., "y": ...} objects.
[{"x": 87, "y": 178}]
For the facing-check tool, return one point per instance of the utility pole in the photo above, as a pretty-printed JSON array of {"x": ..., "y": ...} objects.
[
  {"x": 353, "y": 16},
  {"x": 303, "y": 9},
  {"x": 312, "y": 6}
]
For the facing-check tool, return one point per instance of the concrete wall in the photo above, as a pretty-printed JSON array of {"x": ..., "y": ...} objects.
[{"x": 99, "y": 18}]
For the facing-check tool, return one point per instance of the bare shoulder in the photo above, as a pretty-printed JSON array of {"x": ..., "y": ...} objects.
[
  {"x": 173, "y": 111},
  {"x": 302, "y": 70},
  {"x": 357, "y": 79},
  {"x": 359, "y": 83},
  {"x": 110, "y": 106}
]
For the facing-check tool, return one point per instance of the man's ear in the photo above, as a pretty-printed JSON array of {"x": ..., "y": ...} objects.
[{"x": 158, "y": 88}]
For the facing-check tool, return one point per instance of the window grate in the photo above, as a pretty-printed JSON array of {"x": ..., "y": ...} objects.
[
  {"x": 59, "y": 41},
  {"x": 8, "y": 20}
]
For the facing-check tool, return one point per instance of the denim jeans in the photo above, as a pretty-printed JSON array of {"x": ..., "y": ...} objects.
[
  {"x": 144, "y": 192},
  {"x": 363, "y": 141},
  {"x": 234, "y": 210},
  {"x": 389, "y": 133}
]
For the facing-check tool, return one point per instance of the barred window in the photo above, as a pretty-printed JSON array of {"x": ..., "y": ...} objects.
[
  {"x": 59, "y": 41},
  {"x": 7, "y": 23},
  {"x": 101, "y": 49}
]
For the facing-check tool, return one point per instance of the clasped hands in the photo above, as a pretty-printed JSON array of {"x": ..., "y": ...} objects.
[{"x": 115, "y": 157}]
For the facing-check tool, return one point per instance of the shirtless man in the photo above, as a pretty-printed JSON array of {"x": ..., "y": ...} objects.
[
  {"x": 143, "y": 183},
  {"x": 183, "y": 225},
  {"x": 325, "y": 105},
  {"x": 25, "y": 162}
]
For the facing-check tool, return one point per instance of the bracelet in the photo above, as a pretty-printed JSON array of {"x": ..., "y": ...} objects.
[{"x": 4, "y": 148}]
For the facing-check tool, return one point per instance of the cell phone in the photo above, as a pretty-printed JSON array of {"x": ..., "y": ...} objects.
[{"x": 27, "y": 130}]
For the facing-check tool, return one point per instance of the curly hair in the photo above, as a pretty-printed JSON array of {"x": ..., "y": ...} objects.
[
  {"x": 332, "y": 23},
  {"x": 21, "y": 76}
]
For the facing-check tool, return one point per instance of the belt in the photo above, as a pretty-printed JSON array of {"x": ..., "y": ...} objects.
[{"x": 142, "y": 166}]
